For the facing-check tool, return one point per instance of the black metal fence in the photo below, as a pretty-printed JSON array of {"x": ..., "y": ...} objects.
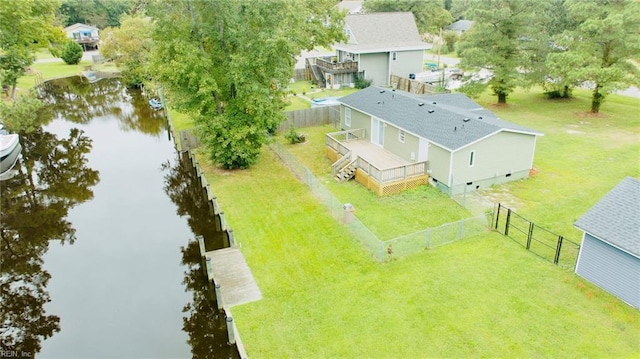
[{"x": 541, "y": 241}]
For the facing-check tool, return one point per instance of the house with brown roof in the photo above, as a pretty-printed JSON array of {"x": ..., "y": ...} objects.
[{"x": 378, "y": 45}]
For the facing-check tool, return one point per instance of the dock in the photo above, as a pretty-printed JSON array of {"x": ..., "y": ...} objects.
[{"x": 232, "y": 273}]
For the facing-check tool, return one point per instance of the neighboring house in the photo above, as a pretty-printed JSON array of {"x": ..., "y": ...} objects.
[
  {"x": 610, "y": 251},
  {"x": 460, "y": 26},
  {"x": 462, "y": 144},
  {"x": 85, "y": 35},
  {"x": 378, "y": 45},
  {"x": 351, "y": 6}
]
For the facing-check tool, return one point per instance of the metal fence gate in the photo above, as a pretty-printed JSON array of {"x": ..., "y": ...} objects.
[{"x": 541, "y": 241}]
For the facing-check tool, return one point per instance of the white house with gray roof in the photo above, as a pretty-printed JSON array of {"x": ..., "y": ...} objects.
[
  {"x": 464, "y": 144},
  {"x": 610, "y": 251},
  {"x": 378, "y": 45}
]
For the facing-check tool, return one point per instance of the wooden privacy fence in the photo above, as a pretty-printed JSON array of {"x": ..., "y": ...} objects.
[
  {"x": 311, "y": 117},
  {"x": 541, "y": 241},
  {"x": 415, "y": 86}
]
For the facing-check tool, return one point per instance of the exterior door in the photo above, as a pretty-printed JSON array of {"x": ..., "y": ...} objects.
[{"x": 377, "y": 132}]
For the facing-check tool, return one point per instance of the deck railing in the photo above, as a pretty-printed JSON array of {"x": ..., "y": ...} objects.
[
  {"x": 336, "y": 67},
  {"x": 334, "y": 139},
  {"x": 392, "y": 174}
]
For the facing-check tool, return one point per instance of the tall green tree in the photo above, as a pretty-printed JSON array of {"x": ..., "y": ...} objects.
[
  {"x": 599, "y": 50},
  {"x": 430, "y": 15},
  {"x": 25, "y": 26},
  {"x": 130, "y": 46},
  {"x": 227, "y": 63},
  {"x": 99, "y": 13},
  {"x": 500, "y": 41}
]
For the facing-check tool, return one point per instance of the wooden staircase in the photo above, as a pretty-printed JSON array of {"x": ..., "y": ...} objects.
[{"x": 346, "y": 173}]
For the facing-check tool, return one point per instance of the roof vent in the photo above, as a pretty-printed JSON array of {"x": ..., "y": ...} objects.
[
  {"x": 466, "y": 119},
  {"x": 381, "y": 91},
  {"x": 421, "y": 104},
  {"x": 431, "y": 111},
  {"x": 455, "y": 128},
  {"x": 479, "y": 117},
  {"x": 434, "y": 102}
]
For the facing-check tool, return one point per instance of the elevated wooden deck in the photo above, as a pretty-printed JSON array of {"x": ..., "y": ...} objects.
[
  {"x": 375, "y": 155},
  {"x": 232, "y": 273}
]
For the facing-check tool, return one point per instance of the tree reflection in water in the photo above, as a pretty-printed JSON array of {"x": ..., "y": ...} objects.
[
  {"x": 77, "y": 101},
  {"x": 203, "y": 322},
  {"x": 52, "y": 177}
]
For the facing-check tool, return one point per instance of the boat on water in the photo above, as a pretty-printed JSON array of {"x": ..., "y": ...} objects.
[
  {"x": 10, "y": 149},
  {"x": 155, "y": 104}
]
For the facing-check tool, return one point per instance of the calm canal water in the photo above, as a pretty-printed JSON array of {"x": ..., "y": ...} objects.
[{"x": 103, "y": 178}]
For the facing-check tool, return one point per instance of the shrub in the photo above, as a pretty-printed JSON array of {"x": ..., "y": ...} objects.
[
  {"x": 361, "y": 82},
  {"x": 294, "y": 137},
  {"x": 71, "y": 53}
]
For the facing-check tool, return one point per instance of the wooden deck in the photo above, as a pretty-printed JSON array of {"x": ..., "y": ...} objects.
[
  {"x": 373, "y": 154},
  {"x": 231, "y": 271}
]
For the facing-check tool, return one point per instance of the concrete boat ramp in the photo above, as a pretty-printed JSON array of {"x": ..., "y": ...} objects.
[{"x": 232, "y": 274}]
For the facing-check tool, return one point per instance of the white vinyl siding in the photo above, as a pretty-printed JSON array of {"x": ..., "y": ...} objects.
[{"x": 347, "y": 116}]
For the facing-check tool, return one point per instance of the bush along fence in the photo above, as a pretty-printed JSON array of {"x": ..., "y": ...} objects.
[
  {"x": 541, "y": 241},
  {"x": 229, "y": 241},
  {"x": 381, "y": 250}
]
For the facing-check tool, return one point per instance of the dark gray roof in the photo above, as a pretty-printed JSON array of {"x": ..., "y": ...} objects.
[
  {"x": 442, "y": 123},
  {"x": 616, "y": 217},
  {"x": 382, "y": 31},
  {"x": 460, "y": 25}
]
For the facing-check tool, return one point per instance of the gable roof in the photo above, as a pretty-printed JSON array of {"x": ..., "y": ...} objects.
[
  {"x": 460, "y": 25},
  {"x": 381, "y": 31},
  {"x": 440, "y": 119},
  {"x": 79, "y": 26},
  {"x": 615, "y": 218}
]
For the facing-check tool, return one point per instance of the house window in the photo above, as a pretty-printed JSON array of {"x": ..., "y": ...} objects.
[
  {"x": 472, "y": 157},
  {"x": 347, "y": 116},
  {"x": 394, "y": 55},
  {"x": 401, "y": 136}
]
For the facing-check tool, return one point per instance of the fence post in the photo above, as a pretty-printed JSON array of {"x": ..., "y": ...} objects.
[
  {"x": 497, "y": 217},
  {"x": 232, "y": 239},
  {"x": 506, "y": 225},
  {"x": 530, "y": 234},
  {"x": 218, "y": 292},
  {"x": 230, "y": 333},
  {"x": 557, "y": 257}
]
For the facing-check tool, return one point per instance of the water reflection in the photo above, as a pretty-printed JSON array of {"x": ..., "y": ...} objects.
[
  {"x": 203, "y": 322},
  {"x": 77, "y": 101},
  {"x": 52, "y": 177}
]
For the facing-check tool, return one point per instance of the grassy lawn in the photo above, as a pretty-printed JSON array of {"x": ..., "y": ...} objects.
[
  {"x": 325, "y": 298},
  {"x": 580, "y": 158},
  {"x": 51, "y": 70},
  {"x": 297, "y": 103},
  {"x": 481, "y": 297}
]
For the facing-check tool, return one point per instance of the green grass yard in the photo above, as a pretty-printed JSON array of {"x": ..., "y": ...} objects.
[{"x": 482, "y": 297}]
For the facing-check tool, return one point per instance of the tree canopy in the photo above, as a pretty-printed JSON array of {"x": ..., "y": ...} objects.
[
  {"x": 130, "y": 46},
  {"x": 598, "y": 47},
  {"x": 430, "y": 15},
  {"x": 25, "y": 26},
  {"x": 501, "y": 41},
  {"x": 227, "y": 63},
  {"x": 99, "y": 13}
]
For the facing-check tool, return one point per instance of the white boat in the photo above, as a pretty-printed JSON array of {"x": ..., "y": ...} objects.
[{"x": 10, "y": 149}]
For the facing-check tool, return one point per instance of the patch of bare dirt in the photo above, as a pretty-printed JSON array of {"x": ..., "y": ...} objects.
[{"x": 590, "y": 115}]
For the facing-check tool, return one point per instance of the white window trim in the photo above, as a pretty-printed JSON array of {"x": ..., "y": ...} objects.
[
  {"x": 472, "y": 158},
  {"x": 347, "y": 116}
]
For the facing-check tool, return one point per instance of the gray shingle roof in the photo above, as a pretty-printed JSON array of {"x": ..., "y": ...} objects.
[
  {"x": 442, "y": 123},
  {"x": 616, "y": 217},
  {"x": 382, "y": 31}
]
